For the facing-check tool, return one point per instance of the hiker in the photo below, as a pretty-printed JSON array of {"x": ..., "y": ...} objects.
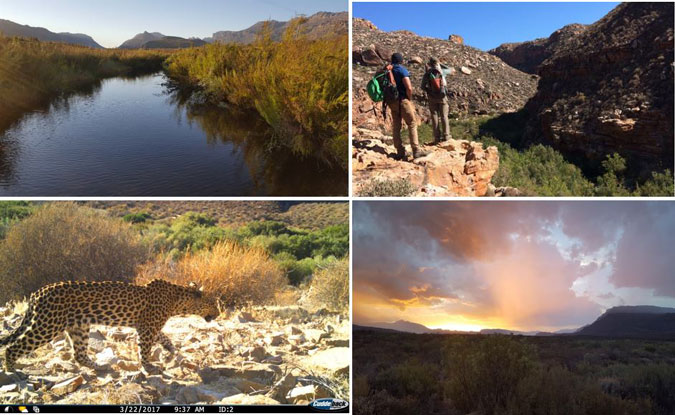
[
  {"x": 435, "y": 85},
  {"x": 402, "y": 107}
]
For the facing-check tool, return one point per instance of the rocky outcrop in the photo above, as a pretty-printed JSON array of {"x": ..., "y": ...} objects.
[
  {"x": 456, "y": 39},
  {"x": 265, "y": 356},
  {"x": 486, "y": 85},
  {"x": 610, "y": 89},
  {"x": 528, "y": 56},
  {"x": 455, "y": 168}
]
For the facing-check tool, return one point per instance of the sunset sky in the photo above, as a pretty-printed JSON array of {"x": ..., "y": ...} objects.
[{"x": 513, "y": 265}]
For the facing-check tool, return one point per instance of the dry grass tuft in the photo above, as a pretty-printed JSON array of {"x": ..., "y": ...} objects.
[
  {"x": 237, "y": 275},
  {"x": 330, "y": 286}
]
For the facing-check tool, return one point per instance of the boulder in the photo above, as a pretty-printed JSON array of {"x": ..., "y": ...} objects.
[
  {"x": 456, "y": 39},
  {"x": 68, "y": 386},
  {"x": 335, "y": 360},
  {"x": 465, "y": 70},
  {"x": 305, "y": 394},
  {"x": 106, "y": 357},
  {"x": 455, "y": 168},
  {"x": 416, "y": 60},
  {"x": 244, "y": 399},
  {"x": 369, "y": 57}
]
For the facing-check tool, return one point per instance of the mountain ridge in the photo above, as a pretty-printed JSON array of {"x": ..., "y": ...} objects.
[
  {"x": 641, "y": 321},
  {"x": 10, "y": 28}
]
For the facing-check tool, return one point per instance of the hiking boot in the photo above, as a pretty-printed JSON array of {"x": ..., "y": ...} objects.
[
  {"x": 401, "y": 156},
  {"x": 420, "y": 153}
]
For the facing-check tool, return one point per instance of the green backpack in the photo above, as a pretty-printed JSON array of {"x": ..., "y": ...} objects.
[{"x": 375, "y": 89}]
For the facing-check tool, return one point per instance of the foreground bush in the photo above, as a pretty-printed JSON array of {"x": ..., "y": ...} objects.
[
  {"x": 237, "y": 275},
  {"x": 61, "y": 242},
  {"x": 330, "y": 286},
  {"x": 298, "y": 86}
]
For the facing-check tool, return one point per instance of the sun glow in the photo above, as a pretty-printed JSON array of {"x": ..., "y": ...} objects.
[{"x": 458, "y": 327}]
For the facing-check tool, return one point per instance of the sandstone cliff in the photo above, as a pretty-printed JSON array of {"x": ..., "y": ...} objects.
[
  {"x": 528, "y": 56},
  {"x": 610, "y": 89}
]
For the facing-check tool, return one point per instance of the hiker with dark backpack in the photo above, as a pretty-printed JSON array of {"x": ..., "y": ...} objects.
[
  {"x": 397, "y": 94},
  {"x": 435, "y": 85}
]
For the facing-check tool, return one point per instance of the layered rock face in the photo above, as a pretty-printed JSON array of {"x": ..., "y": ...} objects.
[
  {"x": 480, "y": 83},
  {"x": 528, "y": 56},
  {"x": 456, "y": 168},
  {"x": 610, "y": 89}
]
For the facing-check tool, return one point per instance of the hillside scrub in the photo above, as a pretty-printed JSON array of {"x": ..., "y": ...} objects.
[
  {"x": 540, "y": 170},
  {"x": 501, "y": 374},
  {"x": 33, "y": 72},
  {"x": 298, "y": 86},
  {"x": 330, "y": 286},
  {"x": 62, "y": 242}
]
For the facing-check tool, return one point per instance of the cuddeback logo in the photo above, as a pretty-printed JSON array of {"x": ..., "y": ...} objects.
[{"x": 329, "y": 404}]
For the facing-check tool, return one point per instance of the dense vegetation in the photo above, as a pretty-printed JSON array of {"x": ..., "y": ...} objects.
[
  {"x": 32, "y": 73},
  {"x": 495, "y": 374},
  {"x": 298, "y": 86},
  {"x": 251, "y": 263},
  {"x": 540, "y": 170}
]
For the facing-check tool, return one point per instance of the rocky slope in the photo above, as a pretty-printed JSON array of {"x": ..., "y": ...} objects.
[
  {"x": 457, "y": 168},
  {"x": 317, "y": 25},
  {"x": 265, "y": 356},
  {"x": 527, "y": 56},
  {"x": 9, "y": 28},
  {"x": 610, "y": 89},
  {"x": 645, "y": 322},
  {"x": 481, "y": 83}
]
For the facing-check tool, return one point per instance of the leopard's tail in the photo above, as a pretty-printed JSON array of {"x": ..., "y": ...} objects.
[{"x": 25, "y": 323}]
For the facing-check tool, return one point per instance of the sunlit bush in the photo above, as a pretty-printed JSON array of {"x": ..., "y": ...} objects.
[
  {"x": 298, "y": 86},
  {"x": 62, "y": 242}
]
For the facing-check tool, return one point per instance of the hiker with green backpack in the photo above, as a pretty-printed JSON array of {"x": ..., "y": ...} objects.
[
  {"x": 392, "y": 86},
  {"x": 435, "y": 85}
]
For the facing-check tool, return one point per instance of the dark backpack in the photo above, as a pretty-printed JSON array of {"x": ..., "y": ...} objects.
[
  {"x": 436, "y": 88},
  {"x": 389, "y": 89}
]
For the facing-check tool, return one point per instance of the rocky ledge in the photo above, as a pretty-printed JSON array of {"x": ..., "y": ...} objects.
[{"x": 454, "y": 168}]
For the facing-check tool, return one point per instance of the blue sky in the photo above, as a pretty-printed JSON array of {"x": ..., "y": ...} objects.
[
  {"x": 482, "y": 25},
  {"x": 112, "y": 22}
]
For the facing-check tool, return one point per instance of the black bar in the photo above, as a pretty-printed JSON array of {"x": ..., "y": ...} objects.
[{"x": 163, "y": 409}]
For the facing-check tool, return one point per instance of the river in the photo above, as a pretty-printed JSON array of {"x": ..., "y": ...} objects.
[{"x": 131, "y": 137}]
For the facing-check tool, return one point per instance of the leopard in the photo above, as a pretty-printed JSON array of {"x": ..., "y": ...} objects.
[{"x": 73, "y": 306}]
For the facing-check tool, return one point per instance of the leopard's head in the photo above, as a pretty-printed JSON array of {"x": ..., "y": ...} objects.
[{"x": 195, "y": 301}]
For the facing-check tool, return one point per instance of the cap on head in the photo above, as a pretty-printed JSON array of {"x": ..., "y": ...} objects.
[
  {"x": 433, "y": 60},
  {"x": 396, "y": 58}
]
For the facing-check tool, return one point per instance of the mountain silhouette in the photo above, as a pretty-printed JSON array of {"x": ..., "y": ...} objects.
[{"x": 9, "y": 28}]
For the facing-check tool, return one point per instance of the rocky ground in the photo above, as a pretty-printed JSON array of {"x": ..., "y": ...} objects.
[
  {"x": 270, "y": 355},
  {"x": 454, "y": 168}
]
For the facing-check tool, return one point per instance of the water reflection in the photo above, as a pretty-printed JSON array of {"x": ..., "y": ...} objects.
[
  {"x": 271, "y": 167},
  {"x": 133, "y": 137}
]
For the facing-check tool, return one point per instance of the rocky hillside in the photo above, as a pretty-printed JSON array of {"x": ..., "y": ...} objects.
[
  {"x": 636, "y": 322},
  {"x": 610, "y": 89},
  {"x": 9, "y": 28},
  {"x": 527, "y": 56},
  {"x": 480, "y": 83},
  {"x": 266, "y": 356},
  {"x": 317, "y": 25}
]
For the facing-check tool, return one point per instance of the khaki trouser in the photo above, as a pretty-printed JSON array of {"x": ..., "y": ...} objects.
[
  {"x": 404, "y": 109},
  {"x": 439, "y": 119}
]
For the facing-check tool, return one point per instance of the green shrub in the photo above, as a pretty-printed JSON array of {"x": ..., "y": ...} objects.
[
  {"x": 12, "y": 212},
  {"x": 484, "y": 375},
  {"x": 138, "y": 217},
  {"x": 61, "y": 242}
]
